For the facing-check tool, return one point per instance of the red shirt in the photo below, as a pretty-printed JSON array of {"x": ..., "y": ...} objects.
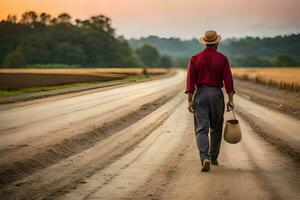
[{"x": 209, "y": 67}]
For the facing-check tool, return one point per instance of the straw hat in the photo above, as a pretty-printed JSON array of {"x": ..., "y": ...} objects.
[{"x": 210, "y": 37}]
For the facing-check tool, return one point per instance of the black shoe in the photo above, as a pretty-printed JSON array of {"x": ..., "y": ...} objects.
[
  {"x": 205, "y": 165},
  {"x": 214, "y": 162}
]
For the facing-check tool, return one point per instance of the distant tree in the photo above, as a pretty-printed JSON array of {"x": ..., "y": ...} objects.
[
  {"x": 250, "y": 61},
  {"x": 174, "y": 47},
  {"x": 29, "y": 17},
  {"x": 37, "y": 48},
  {"x": 64, "y": 18},
  {"x": 286, "y": 60},
  {"x": 45, "y": 18},
  {"x": 69, "y": 54},
  {"x": 181, "y": 62},
  {"x": 149, "y": 55},
  {"x": 54, "y": 21},
  {"x": 15, "y": 59},
  {"x": 166, "y": 61},
  {"x": 11, "y": 19},
  {"x": 102, "y": 22},
  {"x": 78, "y": 22},
  {"x": 125, "y": 56}
]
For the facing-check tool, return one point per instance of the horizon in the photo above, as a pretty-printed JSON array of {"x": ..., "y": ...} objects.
[
  {"x": 227, "y": 38},
  {"x": 135, "y": 19}
]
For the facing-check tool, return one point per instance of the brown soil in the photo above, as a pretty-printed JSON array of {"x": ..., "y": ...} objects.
[
  {"x": 19, "y": 80},
  {"x": 22, "y": 78}
]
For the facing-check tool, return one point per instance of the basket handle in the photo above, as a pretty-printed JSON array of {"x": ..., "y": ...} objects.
[{"x": 233, "y": 114}]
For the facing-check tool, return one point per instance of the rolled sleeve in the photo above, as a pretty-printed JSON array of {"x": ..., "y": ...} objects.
[
  {"x": 191, "y": 77},
  {"x": 227, "y": 77}
]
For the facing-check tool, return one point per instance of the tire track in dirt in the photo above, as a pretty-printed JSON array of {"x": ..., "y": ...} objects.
[
  {"x": 53, "y": 153},
  {"x": 67, "y": 174},
  {"x": 155, "y": 186},
  {"x": 35, "y": 152},
  {"x": 277, "y": 128},
  {"x": 252, "y": 169},
  {"x": 132, "y": 170}
]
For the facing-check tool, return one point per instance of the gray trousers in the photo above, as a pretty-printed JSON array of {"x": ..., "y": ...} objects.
[{"x": 209, "y": 113}]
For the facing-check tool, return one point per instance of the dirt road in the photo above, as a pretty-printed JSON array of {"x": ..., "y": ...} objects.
[{"x": 152, "y": 155}]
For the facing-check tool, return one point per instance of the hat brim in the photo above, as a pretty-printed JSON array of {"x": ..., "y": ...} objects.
[{"x": 202, "y": 41}]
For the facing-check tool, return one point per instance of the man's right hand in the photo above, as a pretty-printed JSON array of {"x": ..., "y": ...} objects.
[
  {"x": 230, "y": 106},
  {"x": 191, "y": 107}
]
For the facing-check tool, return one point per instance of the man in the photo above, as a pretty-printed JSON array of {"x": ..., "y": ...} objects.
[{"x": 206, "y": 72}]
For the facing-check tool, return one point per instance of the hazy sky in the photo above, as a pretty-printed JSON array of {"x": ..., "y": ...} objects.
[{"x": 179, "y": 18}]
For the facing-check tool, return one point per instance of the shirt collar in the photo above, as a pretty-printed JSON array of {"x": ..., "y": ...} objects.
[{"x": 210, "y": 49}]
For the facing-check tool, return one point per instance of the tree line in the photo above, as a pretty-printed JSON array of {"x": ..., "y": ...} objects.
[
  {"x": 39, "y": 39},
  {"x": 248, "y": 51}
]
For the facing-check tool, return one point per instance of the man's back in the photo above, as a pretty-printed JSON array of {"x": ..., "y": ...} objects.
[{"x": 209, "y": 67}]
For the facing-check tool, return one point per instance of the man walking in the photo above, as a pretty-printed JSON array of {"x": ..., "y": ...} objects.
[{"x": 206, "y": 72}]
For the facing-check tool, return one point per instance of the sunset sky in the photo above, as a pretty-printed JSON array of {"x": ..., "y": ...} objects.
[{"x": 177, "y": 18}]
